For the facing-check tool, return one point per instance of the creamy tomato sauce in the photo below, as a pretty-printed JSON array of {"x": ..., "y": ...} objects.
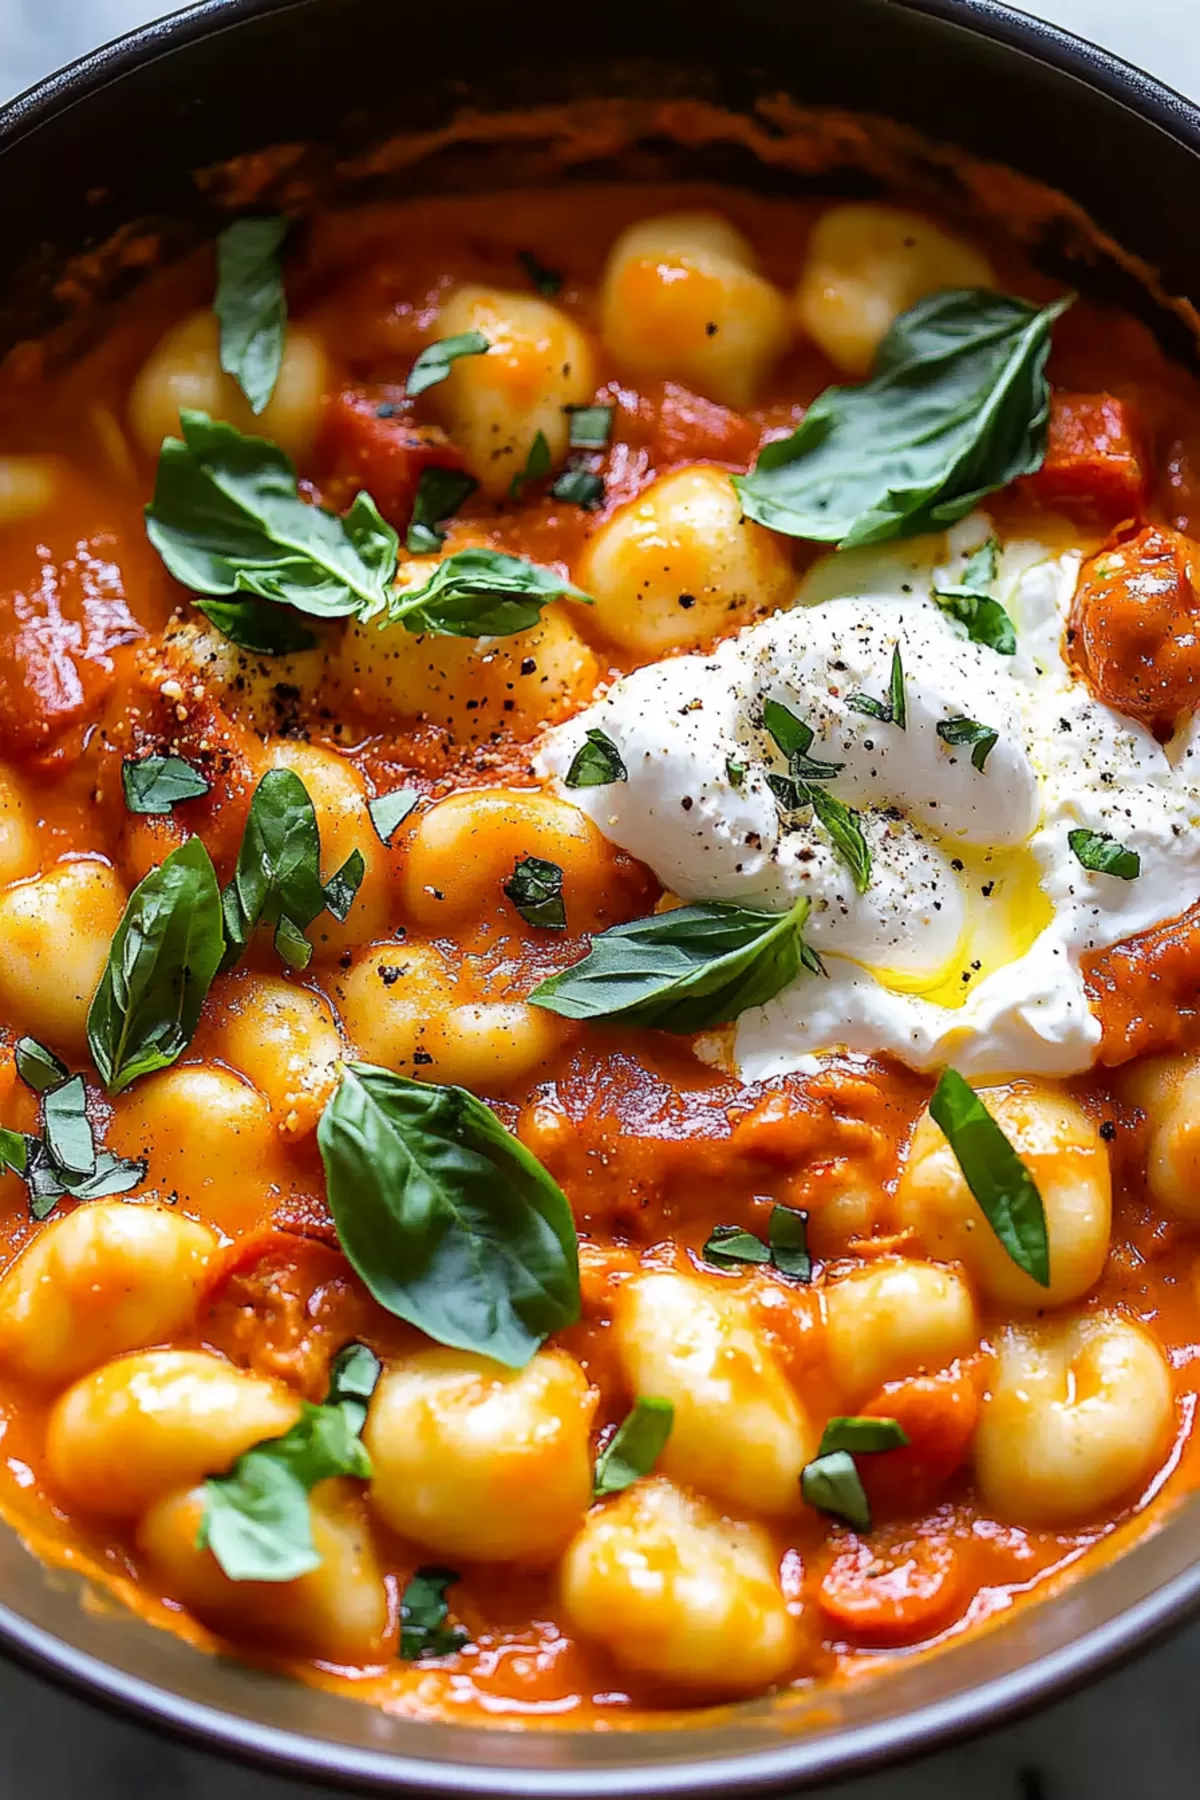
[{"x": 104, "y": 660}]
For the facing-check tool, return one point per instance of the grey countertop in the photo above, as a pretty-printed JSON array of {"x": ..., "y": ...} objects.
[{"x": 1137, "y": 1733}]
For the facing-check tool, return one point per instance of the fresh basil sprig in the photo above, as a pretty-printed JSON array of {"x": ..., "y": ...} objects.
[
  {"x": 154, "y": 784},
  {"x": 683, "y": 970},
  {"x": 437, "y": 359},
  {"x": 537, "y": 467},
  {"x": 635, "y": 1446},
  {"x": 251, "y": 306},
  {"x": 831, "y": 1483},
  {"x": 479, "y": 593},
  {"x": 956, "y": 407},
  {"x": 969, "y": 602},
  {"x": 596, "y": 763},
  {"x": 277, "y": 881},
  {"x": 424, "y": 1610},
  {"x": 893, "y": 710},
  {"x": 440, "y": 493},
  {"x": 1006, "y": 1191},
  {"x": 982, "y": 738},
  {"x": 160, "y": 966},
  {"x": 448, "y": 1219},
  {"x": 731, "y": 1246},
  {"x": 1101, "y": 854},
  {"x": 535, "y": 888},
  {"x": 257, "y": 1521}
]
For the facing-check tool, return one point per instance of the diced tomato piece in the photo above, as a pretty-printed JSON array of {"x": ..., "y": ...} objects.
[
  {"x": 895, "y": 1593},
  {"x": 689, "y": 428},
  {"x": 368, "y": 440},
  {"x": 938, "y": 1414},
  {"x": 1094, "y": 456}
]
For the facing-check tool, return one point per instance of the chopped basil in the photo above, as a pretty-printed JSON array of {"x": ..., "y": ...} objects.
[
  {"x": 1103, "y": 855},
  {"x": 48, "y": 1182},
  {"x": 683, "y": 970},
  {"x": 795, "y": 739},
  {"x": 38, "y": 1067},
  {"x": 251, "y": 306},
  {"x": 1006, "y": 1191},
  {"x": 14, "y": 1151},
  {"x": 535, "y": 889},
  {"x": 596, "y": 763},
  {"x": 969, "y": 602},
  {"x": 480, "y": 593},
  {"x": 440, "y": 493},
  {"x": 956, "y": 407},
  {"x": 68, "y": 1134},
  {"x": 160, "y": 966},
  {"x": 537, "y": 467},
  {"x": 258, "y": 626},
  {"x": 227, "y": 519},
  {"x": 389, "y": 811},
  {"x": 730, "y": 1246},
  {"x": 580, "y": 487},
  {"x": 590, "y": 427},
  {"x": 449, "y": 1220},
  {"x": 635, "y": 1446},
  {"x": 982, "y": 738},
  {"x": 423, "y": 1614},
  {"x": 736, "y": 772},
  {"x": 437, "y": 359},
  {"x": 831, "y": 1483},
  {"x": 257, "y": 1519},
  {"x": 157, "y": 783},
  {"x": 277, "y": 881},
  {"x": 546, "y": 281},
  {"x": 893, "y": 710},
  {"x": 839, "y": 821}
]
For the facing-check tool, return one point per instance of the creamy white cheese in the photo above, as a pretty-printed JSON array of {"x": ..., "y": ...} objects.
[{"x": 966, "y": 946}]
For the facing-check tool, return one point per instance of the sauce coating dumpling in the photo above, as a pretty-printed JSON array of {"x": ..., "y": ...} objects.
[
  {"x": 680, "y": 563},
  {"x": 896, "y": 1317},
  {"x": 683, "y": 299},
  {"x": 54, "y": 937},
  {"x": 866, "y": 264},
  {"x": 493, "y": 405},
  {"x": 672, "y": 1589},
  {"x": 1167, "y": 1088}
]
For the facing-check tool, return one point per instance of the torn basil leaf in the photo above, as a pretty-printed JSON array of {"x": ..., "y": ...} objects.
[
  {"x": 258, "y": 626},
  {"x": 795, "y": 739},
  {"x": 353, "y": 1376},
  {"x": 251, "y": 305},
  {"x": 957, "y": 406},
  {"x": 160, "y": 966},
  {"x": 437, "y": 359},
  {"x": 440, "y": 493},
  {"x": 1103, "y": 855},
  {"x": 981, "y": 738},
  {"x": 635, "y": 1446},
  {"x": 537, "y": 467},
  {"x": 449, "y": 1220},
  {"x": 389, "y": 811},
  {"x": 730, "y": 1246},
  {"x": 38, "y": 1067},
  {"x": 589, "y": 427},
  {"x": 893, "y": 710},
  {"x": 840, "y": 822},
  {"x": 424, "y": 1610},
  {"x": 596, "y": 763},
  {"x": 1007, "y": 1194},
  {"x": 535, "y": 889},
  {"x": 684, "y": 970},
  {"x": 66, "y": 1129},
  {"x": 14, "y": 1150},
  {"x": 154, "y": 784},
  {"x": 831, "y": 1483},
  {"x": 546, "y": 282},
  {"x": 579, "y": 487},
  {"x": 862, "y": 1435},
  {"x": 969, "y": 602},
  {"x": 480, "y": 593},
  {"x": 343, "y": 885},
  {"x": 277, "y": 880}
]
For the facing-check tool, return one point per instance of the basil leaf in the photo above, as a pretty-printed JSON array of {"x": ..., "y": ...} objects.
[
  {"x": 795, "y": 739},
  {"x": 161, "y": 963},
  {"x": 227, "y": 518},
  {"x": 596, "y": 763},
  {"x": 1103, "y": 855},
  {"x": 682, "y": 971},
  {"x": 14, "y": 1150},
  {"x": 277, "y": 881},
  {"x": 968, "y": 731},
  {"x": 589, "y": 427},
  {"x": 480, "y": 593},
  {"x": 580, "y": 487},
  {"x": 1007, "y": 1193},
  {"x": 842, "y": 827},
  {"x": 861, "y": 1435},
  {"x": 546, "y": 281},
  {"x": 635, "y": 1447},
  {"x": 787, "y": 1229},
  {"x": 68, "y": 1134},
  {"x": 251, "y": 306},
  {"x": 440, "y": 493},
  {"x": 535, "y": 889},
  {"x": 736, "y": 771},
  {"x": 969, "y": 602},
  {"x": 157, "y": 783},
  {"x": 729, "y": 1247},
  {"x": 450, "y": 1222},
  {"x": 353, "y": 1376},
  {"x": 423, "y": 1614},
  {"x": 437, "y": 359},
  {"x": 38, "y": 1067},
  {"x": 112, "y": 1175},
  {"x": 832, "y": 1485},
  {"x": 389, "y": 811},
  {"x": 893, "y": 710},
  {"x": 957, "y": 407},
  {"x": 258, "y": 626},
  {"x": 537, "y": 467}
]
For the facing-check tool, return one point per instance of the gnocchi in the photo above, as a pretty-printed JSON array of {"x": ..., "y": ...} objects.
[{"x": 183, "y": 371}]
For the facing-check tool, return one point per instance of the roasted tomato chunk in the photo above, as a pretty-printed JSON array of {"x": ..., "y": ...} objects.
[
  {"x": 367, "y": 442},
  {"x": 1094, "y": 456},
  {"x": 1135, "y": 626},
  {"x": 894, "y": 1592}
]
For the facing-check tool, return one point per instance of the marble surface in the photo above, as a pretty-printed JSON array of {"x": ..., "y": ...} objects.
[{"x": 1136, "y": 1733}]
